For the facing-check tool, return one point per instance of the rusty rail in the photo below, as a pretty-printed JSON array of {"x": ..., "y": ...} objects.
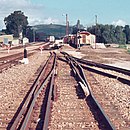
[
  {"x": 104, "y": 66},
  {"x": 36, "y": 90},
  {"x": 80, "y": 76},
  {"x": 48, "y": 107},
  {"x": 85, "y": 64},
  {"x": 9, "y": 61}
]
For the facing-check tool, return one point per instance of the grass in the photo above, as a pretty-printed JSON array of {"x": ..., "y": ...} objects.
[
  {"x": 124, "y": 46},
  {"x": 128, "y": 51}
]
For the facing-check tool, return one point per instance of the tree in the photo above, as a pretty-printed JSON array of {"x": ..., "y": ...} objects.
[
  {"x": 120, "y": 35},
  {"x": 127, "y": 33},
  {"x": 16, "y": 23},
  {"x": 108, "y": 33}
]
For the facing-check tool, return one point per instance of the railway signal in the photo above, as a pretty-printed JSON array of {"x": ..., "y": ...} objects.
[{"x": 25, "y": 59}]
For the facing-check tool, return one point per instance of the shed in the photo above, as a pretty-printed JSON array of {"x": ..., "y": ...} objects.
[
  {"x": 86, "y": 37},
  {"x": 6, "y": 38}
]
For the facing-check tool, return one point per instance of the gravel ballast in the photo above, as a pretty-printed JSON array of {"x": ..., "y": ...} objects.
[{"x": 14, "y": 84}]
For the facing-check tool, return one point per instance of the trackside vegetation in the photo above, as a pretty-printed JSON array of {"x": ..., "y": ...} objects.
[{"x": 110, "y": 33}]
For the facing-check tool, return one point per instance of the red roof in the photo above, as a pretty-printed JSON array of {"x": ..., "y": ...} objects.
[{"x": 85, "y": 32}]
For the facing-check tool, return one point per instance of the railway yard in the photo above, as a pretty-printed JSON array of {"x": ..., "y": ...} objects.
[{"x": 65, "y": 88}]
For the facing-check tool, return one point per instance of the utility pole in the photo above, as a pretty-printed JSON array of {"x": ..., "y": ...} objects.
[
  {"x": 67, "y": 25},
  {"x": 34, "y": 33},
  {"x": 95, "y": 29},
  {"x": 96, "y": 19}
]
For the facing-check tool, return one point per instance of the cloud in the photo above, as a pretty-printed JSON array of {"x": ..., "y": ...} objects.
[
  {"x": 35, "y": 13},
  {"x": 9, "y": 6},
  {"x": 48, "y": 20},
  {"x": 119, "y": 23}
]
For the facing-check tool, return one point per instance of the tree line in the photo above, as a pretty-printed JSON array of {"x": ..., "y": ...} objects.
[
  {"x": 110, "y": 33},
  {"x": 16, "y": 23}
]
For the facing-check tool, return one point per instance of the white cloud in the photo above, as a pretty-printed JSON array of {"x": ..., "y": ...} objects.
[
  {"x": 35, "y": 13},
  {"x": 119, "y": 22},
  {"x": 50, "y": 20}
]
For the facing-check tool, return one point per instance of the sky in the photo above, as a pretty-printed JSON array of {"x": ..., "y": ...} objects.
[{"x": 54, "y": 11}]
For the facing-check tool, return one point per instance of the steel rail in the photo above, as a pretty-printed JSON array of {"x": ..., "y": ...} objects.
[
  {"x": 90, "y": 95},
  {"x": 84, "y": 66},
  {"x": 109, "y": 67},
  {"x": 30, "y": 96},
  {"x": 48, "y": 107},
  {"x": 28, "y": 115},
  {"x": 122, "y": 80},
  {"x": 11, "y": 60},
  {"x": 104, "y": 66}
]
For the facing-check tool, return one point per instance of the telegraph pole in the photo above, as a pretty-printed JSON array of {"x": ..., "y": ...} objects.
[
  {"x": 95, "y": 29},
  {"x": 67, "y": 25},
  {"x": 96, "y": 19}
]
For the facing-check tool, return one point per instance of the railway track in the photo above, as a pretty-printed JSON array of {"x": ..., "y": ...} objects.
[
  {"x": 11, "y": 60},
  {"x": 111, "y": 88},
  {"x": 113, "y": 97},
  {"x": 120, "y": 74},
  {"x": 107, "y": 67},
  {"x": 70, "y": 110},
  {"x": 35, "y": 110},
  {"x": 36, "y": 107},
  {"x": 104, "y": 122}
]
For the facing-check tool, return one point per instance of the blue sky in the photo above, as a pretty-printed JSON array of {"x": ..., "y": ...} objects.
[
  {"x": 108, "y": 11},
  {"x": 50, "y": 11}
]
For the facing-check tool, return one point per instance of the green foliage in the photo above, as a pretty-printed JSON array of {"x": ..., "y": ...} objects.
[
  {"x": 119, "y": 34},
  {"x": 52, "y": 29},
  {"x": 127, "y": 32},
  {"x": 108, "y": 33},
  {"x": 16, "y": 23},
  {"x": 43, "y": 31},
  {"x": 124, "y": 46},
  {"x": 128, "y": 51}
]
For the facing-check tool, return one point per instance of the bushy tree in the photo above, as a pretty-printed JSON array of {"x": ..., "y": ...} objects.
[
  {"x": 119, "y": 34},
  {"x": 108, "y": 33},
  {"x": 16, "y": 23},
  {"x": 127, "y": 33}
]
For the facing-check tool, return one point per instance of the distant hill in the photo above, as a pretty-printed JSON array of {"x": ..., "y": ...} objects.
[{"x": 45, "y": 30}]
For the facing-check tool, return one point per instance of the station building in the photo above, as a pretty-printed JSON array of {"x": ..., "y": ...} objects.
[
  {"x": 82, "y": 38},
  {"x": 6, "y": 39},
  {"x": 9, "y": 39},
  {"x": 86, "y": 37}
]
